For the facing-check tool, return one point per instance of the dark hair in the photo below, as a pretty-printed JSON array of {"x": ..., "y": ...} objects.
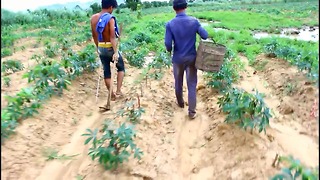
[
  {"x": 105, "y": 4},
  {"x": 180, "y": 7},
  {"x": 179, "y": 4}
]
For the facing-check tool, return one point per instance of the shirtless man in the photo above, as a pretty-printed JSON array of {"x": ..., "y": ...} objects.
[{"x": 107, "y": 47}]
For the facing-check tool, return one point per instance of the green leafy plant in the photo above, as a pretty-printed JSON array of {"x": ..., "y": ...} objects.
[
  {"x": 161, "y": 61},
  {"x": 245, "y": 109},
  {"x": 6, "y": 52},
  {"x": 46, "y": 74},
  {"x": 111, "y": 148},
  {"x": 51, "y": 50},
  {"x": 295, "y": 170},
  {"x": 132, "y": 112},
  {"x": 24, "y": 104},
  {"x": 228, "y": 74},
  {"x": 6, "y": 80},
  {"x": 11, "y": 66},
  {"x": 8, "y": 124},
  {"x": 48, "y": 78},
  {"x": 52, "y": 154}
]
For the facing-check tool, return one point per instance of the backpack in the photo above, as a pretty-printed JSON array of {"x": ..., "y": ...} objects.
[{"x": 102, "y": 22}]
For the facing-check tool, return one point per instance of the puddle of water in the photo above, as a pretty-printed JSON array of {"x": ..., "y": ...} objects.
[
  {"x": 204, "y": 24},
  {"x": 305, "y": 34},
  {"x": 207, "y": 23},
  {"x": 148, "y": 59},
  {"x": 224, "y": 29}
]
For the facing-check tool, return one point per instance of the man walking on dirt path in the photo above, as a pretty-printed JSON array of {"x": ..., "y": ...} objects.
[
  {"x": 104, "y": 30},
  {"x": 182, "y": 30}
]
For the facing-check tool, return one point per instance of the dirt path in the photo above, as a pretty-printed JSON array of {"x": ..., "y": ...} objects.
[{"x": 174, "y": 147}]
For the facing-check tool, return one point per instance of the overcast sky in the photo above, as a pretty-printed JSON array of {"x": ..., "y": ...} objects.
[{"x": 19, "y": 5}]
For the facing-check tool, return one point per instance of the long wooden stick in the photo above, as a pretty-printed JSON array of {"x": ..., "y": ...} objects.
[
  {"x": 98, "y": 87},
  {"x": 108, "y": 106}
]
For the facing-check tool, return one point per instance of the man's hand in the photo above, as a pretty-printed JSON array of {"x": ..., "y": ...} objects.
[{"x": 115, "y": 57}]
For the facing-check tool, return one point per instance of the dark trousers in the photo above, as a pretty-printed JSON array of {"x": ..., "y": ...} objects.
[{"x": 192, "y": 80}]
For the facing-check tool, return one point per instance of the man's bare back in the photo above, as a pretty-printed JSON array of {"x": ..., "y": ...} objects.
[{"x": 106, "y": 32}]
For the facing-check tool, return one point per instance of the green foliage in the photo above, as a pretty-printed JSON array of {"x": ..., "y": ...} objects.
[
  {"x": 161, "y": 61},
  {"x": 228, "y": 73},
  {"x": 111, "y": 148},
  {"x": 11, "y": 66},
  {"x": 295, "y": 170},
  {"x": 156, "y": 27},
  {"x": 5, "y": 52},
  {"x": 95, "y": 7},
  {"x": 51, "y": 50},
  {"x": 132, "y": 113},
  {"x": 49, "y": 78},
  {"x": 304, "y": 55},
  {"x": 52, "y": 154},
  {"x": 7, "y": 124},
  {"x": 6, "y": 80},
  {"x": 132, "y": 4},
  {"x": 136, "y": 57},
  {"x": 142, "y": 37},
  {"x": 245, "y": 109},
  {"x": 246, "y": 20}
]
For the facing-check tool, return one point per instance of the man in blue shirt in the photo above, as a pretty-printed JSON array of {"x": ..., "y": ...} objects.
[{"x": 182, "y": 30}]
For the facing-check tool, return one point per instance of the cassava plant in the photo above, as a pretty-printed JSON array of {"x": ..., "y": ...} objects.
[
  {"x": 132, "y": 111},
  {"x": 113, "y": 146},
  {"x": 245, "y": 109},
  {"x": 6, "y": 80},
  {"x": 295, "y": 170},
  {"x": 48, "y": 78},
  {"x": 11, "y": 66}
]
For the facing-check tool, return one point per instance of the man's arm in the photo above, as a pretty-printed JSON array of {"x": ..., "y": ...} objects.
[
  {"x": 168, "y": 38},
  {"x": 93, "y": 32},
  {"x": 113, "y": 39},
  {"x": 201, "y": 31}
]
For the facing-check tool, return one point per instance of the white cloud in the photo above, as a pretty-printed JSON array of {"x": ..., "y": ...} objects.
[{"x": 19, "y": 5}]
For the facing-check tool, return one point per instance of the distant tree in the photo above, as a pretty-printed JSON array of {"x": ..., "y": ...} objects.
[
  {"x": 146, "y": 4},
  {"x": 78, "y": 7},
  {"x": 122, "y": 6},
  {"x": 95, "y": 7},
  {"x": 132, "y": 4}
]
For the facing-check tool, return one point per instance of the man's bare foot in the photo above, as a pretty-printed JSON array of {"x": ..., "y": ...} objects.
[
  {"x": 104, "y": 108},
  {"x": 119, "y": 93},
  {"x": 113, "y": 97}
]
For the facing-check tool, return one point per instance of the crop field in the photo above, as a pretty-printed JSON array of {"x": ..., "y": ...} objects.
[{"x": 257, "y": 117}]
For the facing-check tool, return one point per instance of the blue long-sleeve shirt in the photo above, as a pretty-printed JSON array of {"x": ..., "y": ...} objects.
[{"x": 182, "y": 31}]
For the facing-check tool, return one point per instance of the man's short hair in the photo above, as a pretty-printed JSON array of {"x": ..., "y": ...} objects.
[
  {"x": 179, "y": 4},
  {"x": 105, "y": 4}
]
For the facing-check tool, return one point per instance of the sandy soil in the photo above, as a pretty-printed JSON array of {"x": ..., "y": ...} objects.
[{"x": 174, "y": 147}]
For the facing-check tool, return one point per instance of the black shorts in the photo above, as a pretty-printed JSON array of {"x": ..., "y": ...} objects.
[{"x": 105, "y": 55}]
